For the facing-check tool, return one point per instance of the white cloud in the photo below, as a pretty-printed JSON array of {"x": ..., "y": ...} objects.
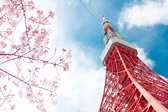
[
  {"x": 81, "y": 88},
  {"x": 165, "y": 78},
  {"x": 143, "y": 56},
  {"x": 81, "y": 91},
  {"x": 144, "y": 13}
]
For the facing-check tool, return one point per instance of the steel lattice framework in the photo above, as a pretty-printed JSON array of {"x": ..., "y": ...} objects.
[{"x": 130, "y": 85}]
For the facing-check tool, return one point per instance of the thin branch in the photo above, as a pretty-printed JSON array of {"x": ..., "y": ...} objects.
[
  {"x": 25, "y": 82},
  {"x": 18, "y": 56}
]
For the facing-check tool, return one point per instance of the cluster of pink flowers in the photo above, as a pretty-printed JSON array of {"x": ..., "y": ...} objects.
[{"x": 25, "y": 51}]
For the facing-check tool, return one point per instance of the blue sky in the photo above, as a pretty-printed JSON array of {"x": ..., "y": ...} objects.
[
  {"x": 77, "y": 26},
  {"x": 85, "y": 29}
]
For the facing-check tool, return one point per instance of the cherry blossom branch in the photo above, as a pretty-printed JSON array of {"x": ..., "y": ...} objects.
[
  {"x": 25, "y": 82},
  {"x": 25, "y": 49},
  {"x": 6, "y": 98},
  {"x": 31, "y": 58},
  {"x": 13, "y": 54}
]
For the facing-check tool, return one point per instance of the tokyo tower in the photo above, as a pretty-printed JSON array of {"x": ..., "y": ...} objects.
[{"x": 130, "y": 85}]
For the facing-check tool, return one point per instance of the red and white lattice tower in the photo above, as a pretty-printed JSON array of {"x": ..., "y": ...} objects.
[{"x": 130, "y": 85}]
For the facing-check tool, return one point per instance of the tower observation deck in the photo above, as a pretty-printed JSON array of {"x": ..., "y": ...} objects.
[{"x": 130, "y": 85}]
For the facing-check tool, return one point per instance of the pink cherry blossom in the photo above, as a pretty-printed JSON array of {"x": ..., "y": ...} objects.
[{"x": 24, "y": 47}]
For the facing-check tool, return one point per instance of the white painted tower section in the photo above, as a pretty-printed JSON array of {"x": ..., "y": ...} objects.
[{"x": 111, "y": 38}]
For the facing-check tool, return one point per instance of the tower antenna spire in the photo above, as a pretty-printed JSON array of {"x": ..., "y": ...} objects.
[{"x": 103, "y": 18}]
